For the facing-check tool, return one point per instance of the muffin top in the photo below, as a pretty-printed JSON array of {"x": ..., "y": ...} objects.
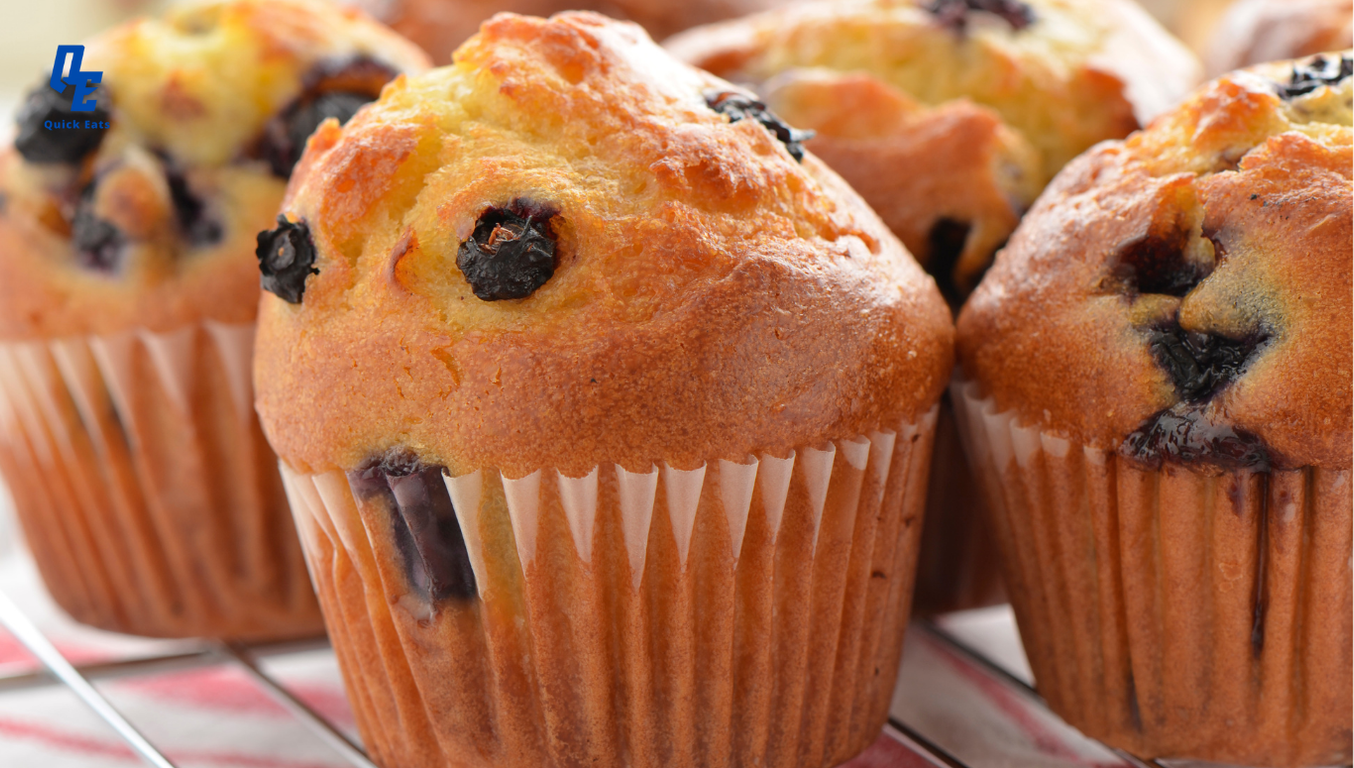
[
  {"x": 1184, "y": 295},
  {"x": 1063, "y": 74},
  {"x": 148, "y": 218},
  {"x": 568, "y": 249},
  {"x": 951, "y": 116},
  {"x": 1256, "y": 31}
]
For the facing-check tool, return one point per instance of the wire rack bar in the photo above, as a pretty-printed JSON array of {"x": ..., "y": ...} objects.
[
  {"x": 111, "y": 670},
  {"x": 37, "y": 643},
  {"x": 1015, "y": 683},
  {"x": 974, "y": 657},
  {"x": 311, "y": 719},
  {"x": 918, "y": 743},
  {"x": 155, "y": 664},
  {"x": 247, "y": 658}
]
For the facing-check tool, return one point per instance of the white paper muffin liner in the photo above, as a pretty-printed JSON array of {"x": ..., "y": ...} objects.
[
  {"x": 1183, "y": 612},
  {"x": 145, "y": 488},
  {"x": 733, "y": 614}
]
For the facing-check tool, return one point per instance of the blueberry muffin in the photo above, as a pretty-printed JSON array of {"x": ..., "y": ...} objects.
[
  {"x": 1256, "y": 31},
  {"x": 949, "y": 117},
  {"x": 440, "y": 26},
  {"x": 1158, "y": 403},
  {"x": 626, "y": 413},
  {"x": 128, "y": 291}
]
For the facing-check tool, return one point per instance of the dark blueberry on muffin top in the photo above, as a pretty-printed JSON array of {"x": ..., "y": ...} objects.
[
  {"x": 1200, "y": 364},
  {"x": 286, "y": 258},
  {"x": 954, "y": 13},
  {"x": 98, "y": 244},
  {"x": 334, "y": 90},
  {"x": 511, "y": 253},
  {"x": 739, "y": 105},
  {"x": 1314, "y": 73},
  {"x": 38, "y": 141},
  {"x": 1158, "y": 262},
  {"x": 197, "y": 225}
]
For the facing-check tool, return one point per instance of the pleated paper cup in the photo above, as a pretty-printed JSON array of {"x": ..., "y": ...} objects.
[
  {"x": 1186, "y": 612},
  {"x": 957, "y": 563},
  {"x": 146, "y": 491},
  {"x": 732, "y": 614}
]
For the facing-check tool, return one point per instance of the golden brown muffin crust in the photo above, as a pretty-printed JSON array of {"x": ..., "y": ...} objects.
[
  {"x": 1079, "y": 73},
  {"x": 190, "y": 96},
  {"x": 1229, "y": 218},
  {"x": 950, "y": 181},
  {"x": 950, "y": 129},
  {"x": 712, "y": 296}
]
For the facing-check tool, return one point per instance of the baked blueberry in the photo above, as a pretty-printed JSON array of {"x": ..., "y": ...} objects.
[
  {"x": 954, "y": 13},
  {"x": 1200, "y": 364},
  {"x": 1158, "y": 262},
  {"x": 511, "y": 253},
  {"x": 333, "y": 90},
  {"x": 197, "y": 225},
  {"x": 286, "y": 258},
  {"x": 1316, "y": 72},
  {"x": 97, "y": 243},
  {"x": 1184, "y": 434},
  {"x": 423, "y": 523},
  {"x": 49, "y": 132},
  {"x": 946, "y": 244},
  {"x": 737, "y": 106}
]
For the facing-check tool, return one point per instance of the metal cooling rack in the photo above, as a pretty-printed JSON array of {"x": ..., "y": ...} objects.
[{"x": 954, "y": 707}]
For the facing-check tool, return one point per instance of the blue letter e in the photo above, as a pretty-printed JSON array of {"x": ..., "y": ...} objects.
[{"x": 84, "y": 82}]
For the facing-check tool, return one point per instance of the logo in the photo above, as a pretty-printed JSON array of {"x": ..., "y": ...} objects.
[{"x": 84, "y": 82}]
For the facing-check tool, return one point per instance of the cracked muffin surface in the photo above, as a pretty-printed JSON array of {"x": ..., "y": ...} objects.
[
  {"x": 1185, "y": 294},
  {"x": 581, "y": 251},
  {"x": 950, "y": 116},
  {"x": 150, "y": 222}
]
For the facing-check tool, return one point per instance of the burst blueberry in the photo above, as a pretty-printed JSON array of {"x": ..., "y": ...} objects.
[
  {"x": 423, "y": 523},
  {"x": 1200, "y": 364},
  {"x": 1184, "y": 434}
]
